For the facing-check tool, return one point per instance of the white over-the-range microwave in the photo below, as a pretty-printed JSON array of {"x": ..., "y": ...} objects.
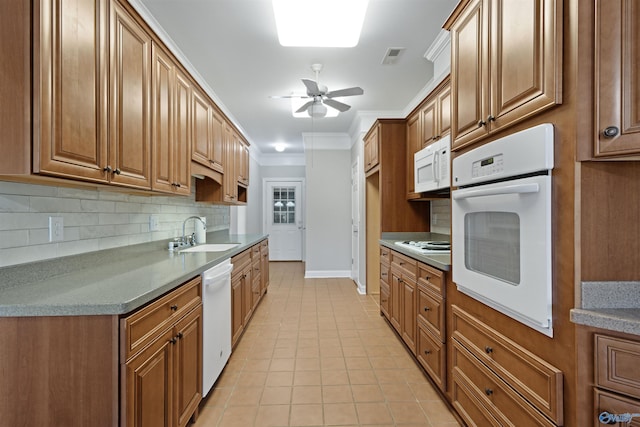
[{"x": 431, "y": 166}]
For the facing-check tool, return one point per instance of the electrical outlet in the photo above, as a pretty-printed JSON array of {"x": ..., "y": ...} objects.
[
  {"x": 154, "y": 224},
  {"x": 56, "y": 229}
]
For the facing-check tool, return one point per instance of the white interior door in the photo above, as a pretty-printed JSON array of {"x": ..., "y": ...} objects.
[
  {"x": 284, "y": 221},
  {"x": 355, "y": 221}
]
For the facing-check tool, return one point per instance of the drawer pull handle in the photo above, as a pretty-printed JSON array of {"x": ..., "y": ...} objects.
[
  {"x": 427, "y": 309},
  {"x": 384, "y": 300},
  {"x": 427, "y": 352},
  {"x": 488, "y": 350},
  {"x": 488, "y": 391},
  {"x": 427, "y": 278},
  {"x": 610, "y": 132},
  {"x": 174, "y": 307}
]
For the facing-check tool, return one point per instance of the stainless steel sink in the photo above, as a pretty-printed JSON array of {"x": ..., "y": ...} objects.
[{"x": 211, "y": 247}]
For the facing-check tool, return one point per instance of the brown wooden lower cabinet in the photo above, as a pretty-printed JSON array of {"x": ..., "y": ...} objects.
[
  {"x": 247, "y": 286},
  {"x": 162, "y": 383},
  {"x": 615, "y": 404},
  {"x": 431, "y": 353}
]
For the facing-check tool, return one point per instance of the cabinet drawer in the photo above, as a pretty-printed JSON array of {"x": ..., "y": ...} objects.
[
  {"x": 407, "y": 266},
  {"x": 385, "y": 255},
  {"x": 384, "y": 273},
  {"x": 615, "y": 404},
  {"x": 240, "y": 261},
  {"x": 618, "y": 365},
  {"x": 538, "y": 381},
  {"x": 142, "y": 327},
  {"x": 431, "y": 354},
  {"x": 469, "y": 407},
  {"x": 507, "y": 406},
  {"x": 431, "y": 311},
  {"x": 255, "y": 251},
  {"x": 431, "y": 278},
  {"x": 264, "y": 244}
]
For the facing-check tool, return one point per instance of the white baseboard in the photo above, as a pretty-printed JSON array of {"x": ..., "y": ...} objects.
[
  {"x": 326, "y": 274},
  {"x": 362, "y": 288}
]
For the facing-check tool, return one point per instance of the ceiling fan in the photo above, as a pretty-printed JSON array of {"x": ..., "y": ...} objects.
[{"x": 321, "y": 96}]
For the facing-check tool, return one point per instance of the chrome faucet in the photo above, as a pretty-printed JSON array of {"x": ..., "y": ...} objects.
[{"x": 191, "y": 240}]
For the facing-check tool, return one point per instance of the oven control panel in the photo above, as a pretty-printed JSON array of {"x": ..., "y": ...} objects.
[{"x": 490, "y": 166}]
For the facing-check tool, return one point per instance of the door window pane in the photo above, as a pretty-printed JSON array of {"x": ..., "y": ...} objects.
[
  {"x": 492, "y": 245},
  {"x": 284, "y": 205}
]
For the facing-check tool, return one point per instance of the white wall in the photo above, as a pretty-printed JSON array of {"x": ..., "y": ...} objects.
[
  {"x": 328, "y": 213},
  {"x": 253, "y": 213}
]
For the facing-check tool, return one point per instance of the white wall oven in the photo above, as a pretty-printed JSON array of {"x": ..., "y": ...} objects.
[
  {"x": 501, "y": 225},
  {"x": 431, "y": 166}
]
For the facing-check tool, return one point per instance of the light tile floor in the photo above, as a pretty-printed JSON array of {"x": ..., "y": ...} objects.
[{"x": 316, "y": 353}]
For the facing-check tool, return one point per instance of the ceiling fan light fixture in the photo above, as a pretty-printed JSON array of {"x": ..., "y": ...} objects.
[
  {"x": 297, "y": 102},
  {"x": 317, "y": 110},
  {"x": 279, "y": 147},
  {"x": 294, "y": 29}
]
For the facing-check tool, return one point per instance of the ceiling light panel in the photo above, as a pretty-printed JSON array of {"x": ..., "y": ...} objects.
[{"x": 319, "y": 23}]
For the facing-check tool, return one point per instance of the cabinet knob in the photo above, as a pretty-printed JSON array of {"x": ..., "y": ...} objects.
[
  {"x": 172, "y": 340},
  {"x": 108, "y": 169},
  {"x": 427, "y": 278},
  {"x": 481, "y": 123},
  {"x": 384, "y": 300},
  {"x": 491, "y": 118},
  {"x": 610, "y": 131},
  {"x": 117, "y": 171},
  {"x": 427, "y": 352},
  {"x": 174, "y": 307},
  {"x": 488, "y": 391},
  {"x": 426, "y": 308},
  {"x": 179, "y": 336},
  {"x": 488, "y": 350}
]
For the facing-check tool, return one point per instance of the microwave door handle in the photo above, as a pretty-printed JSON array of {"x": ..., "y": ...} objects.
[
  {"x": 434, "y": 168},
  {"x": 507, "y": 189}
]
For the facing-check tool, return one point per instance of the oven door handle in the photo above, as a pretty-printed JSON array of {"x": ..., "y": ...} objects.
[{"x": 507, "y": 189}]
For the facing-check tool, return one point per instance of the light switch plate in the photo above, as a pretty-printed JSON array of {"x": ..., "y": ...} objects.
[
  {"x": 154, "y": 224},
  {"x": 56, "y": 229}
]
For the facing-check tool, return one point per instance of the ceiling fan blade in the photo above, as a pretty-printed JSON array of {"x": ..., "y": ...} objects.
[
  {"x": 345, "y": 92},
  {"x": 337, "y": 105},
  {"x": 304, "y": 107},
  {"x": 312, "y": 87}
]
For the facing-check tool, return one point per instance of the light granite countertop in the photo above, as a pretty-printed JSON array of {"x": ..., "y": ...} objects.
[
  {"x": 441, "y": 262},
  {"x": 613, "y": 306},
  {"x": 109, "y": 282}
]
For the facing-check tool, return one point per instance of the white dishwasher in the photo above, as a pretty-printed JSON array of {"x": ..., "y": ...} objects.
[{"x": 216, "y": 322}]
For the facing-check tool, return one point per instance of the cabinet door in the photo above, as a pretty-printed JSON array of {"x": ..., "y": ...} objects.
[
  {"x": 395, "y": 308},
  {"x": 237, "y": 317},
  {"x": 230, "y": 181},
  {"x": 242, "y": 160},
  {"x": 247, "y": 295},
  {"x": 182, "y": 128},
  {"x": 409, "y": 314},
  {"x": 188, "y": 366},
  {"x": 149, "y": 380},
  {"x": 617, "y": 99},
  {"x": 444, "y": 110},
  {"x": 71, "y": 64},
  {"x": 469, "y": 74},
  {"x": 217, "y": 141},
  {"x": 162, "y": 110},
  {"x": 201, "y": 128},
  {"x": 526, "y": 59},
  {"x": 130, "y": 130},
  {"x": 429, "y": 122},
  {"x": 371, "y": 147},
  {"x": 264, "y": 254}
]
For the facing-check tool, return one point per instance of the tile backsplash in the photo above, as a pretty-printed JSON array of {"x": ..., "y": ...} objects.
[
  {"x": 94, "y": 219},
  {"x": 441, "y": 216}
]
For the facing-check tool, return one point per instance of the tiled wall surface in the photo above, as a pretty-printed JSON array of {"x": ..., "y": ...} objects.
[
  {"x": 441, "y": 216},
  {"x": 93, "y": 219}
]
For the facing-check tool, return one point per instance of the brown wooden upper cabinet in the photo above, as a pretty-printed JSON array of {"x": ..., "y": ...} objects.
[
  {"x": 70, "y": 81},
  {"x": 617, "y": 101},
  {"x": 506, "y": 64},
  {"x": 371, "y": 149},
  {"x": 130, "y": 89},
  {"x": 242, "y": 157},
  {"x": 205, "y": 124},
  {"x": 171, "y": 125},
  {"x": 436, "y": 114}
]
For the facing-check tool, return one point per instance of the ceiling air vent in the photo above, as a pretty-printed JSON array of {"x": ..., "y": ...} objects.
[{"x": 392, "y": 55}]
